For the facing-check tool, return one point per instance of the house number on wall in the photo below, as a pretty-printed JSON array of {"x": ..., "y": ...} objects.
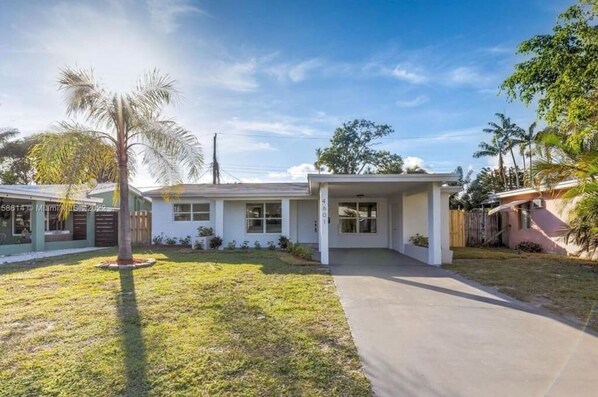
[{"x": 324, "y": 209}]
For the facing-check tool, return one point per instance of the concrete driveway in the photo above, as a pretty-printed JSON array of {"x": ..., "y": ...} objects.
[{"x": 422, "y": 331}]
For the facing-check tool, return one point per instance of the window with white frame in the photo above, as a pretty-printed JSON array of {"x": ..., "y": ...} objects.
[
  {"x": 356, "y": 217},
  {"x": 191, "y": 211},
  {"x": 525, "y": 218},
  {"x": 263, "y": 217}
]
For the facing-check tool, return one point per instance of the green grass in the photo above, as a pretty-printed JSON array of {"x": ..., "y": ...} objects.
[
  {"x": 194, "y": 324},
  {"x": 564, "y": 285}
]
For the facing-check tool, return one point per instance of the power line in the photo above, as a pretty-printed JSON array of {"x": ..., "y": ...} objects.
[{"x": 312, "y": 137}]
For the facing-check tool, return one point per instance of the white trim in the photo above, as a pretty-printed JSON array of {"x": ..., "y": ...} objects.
[
  {"x": 20, "y": 194},
  {"x": 507, "y": 206},
  {"x": 543, "y": 188}
]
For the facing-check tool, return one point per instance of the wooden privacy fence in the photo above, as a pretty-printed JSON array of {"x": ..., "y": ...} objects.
[
  {"x": 457, "y": 228},
  {"x": 141, "y": 227},
  {"x": 106, "y": 228},
  {"x": 474, "y": 228}
]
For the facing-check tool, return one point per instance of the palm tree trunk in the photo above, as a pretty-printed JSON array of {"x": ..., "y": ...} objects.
[
  {"x": 531, "y": 171},
  {"x": 501, "y": 169},
  {"x": 125, "y": 253},
  {"x": 516, "y": 168},
  {"x": 524, "y": 167}
]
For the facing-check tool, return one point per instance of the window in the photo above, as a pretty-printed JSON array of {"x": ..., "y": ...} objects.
[
  {"x": 525, "y": 218},
  {"x": 357, "y": 217},
  {"x": 52, "y": 219},
  {"x": 263, "y": 217},
  {"x": 188, "y": 212},
  {"x": 21, "y": 220}
]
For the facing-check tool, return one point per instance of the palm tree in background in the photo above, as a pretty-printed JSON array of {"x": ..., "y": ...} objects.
[
  {"x": 507, "y": 133},
  {"x": 7, "y": 134},
  {"x": 526, "y": 140},
  {"x": 131, "y": 124},
  {"x": 494, "y": 149}
]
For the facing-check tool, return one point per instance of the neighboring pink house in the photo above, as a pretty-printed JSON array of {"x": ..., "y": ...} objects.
[{"x": 539, "y": 216}]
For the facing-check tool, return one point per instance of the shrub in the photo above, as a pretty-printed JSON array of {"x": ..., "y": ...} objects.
[
  {"x": 198, "y": 245},
  {"x": 159, "y": 239},
  {"x": 245, "y": 245},
  {"x": 170, "y": 240},
  {"x": 215, "y": 242},
  {"x": 283, "y": 241},
  {"x": 185, "y": 241},
  {"x": 419, "y": 240},
  {"x": 528, "y": 246},
  {"x": 257, "y": 245},
  {"x": 271, "y": 245},
  {"x": 231, "y": 245},
  {"x": 300, "y": 251},
  {"x": 205, "y": 231}
]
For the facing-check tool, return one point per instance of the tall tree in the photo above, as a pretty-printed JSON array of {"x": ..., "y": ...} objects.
[
  {"x": 7, "y": 134},
  {"x": 561, "y": 69},
  {"x": 130, "y": 123},
  {"x": 494, "y": 149},
  {"x": 351, "y": 150},
  {"x": 506, "y": 132},
  {"x": 526, "y": 140},
  {"x": 17, "y": 168}
]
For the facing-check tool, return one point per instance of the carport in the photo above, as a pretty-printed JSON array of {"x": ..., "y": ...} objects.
[{"x": 384, "y": 211}]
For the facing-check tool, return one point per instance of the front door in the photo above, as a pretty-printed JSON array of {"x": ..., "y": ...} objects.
[{"x": 307, "y": 221}]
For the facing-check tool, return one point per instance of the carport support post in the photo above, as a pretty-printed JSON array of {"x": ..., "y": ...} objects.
[
  {"x": 219, "y": 218},
  {"x": 434, "y": 225},
  {"x": 286, "y": 218},
  {"x": 38, "y": 237},
  {"x": 324, "y": 213}
]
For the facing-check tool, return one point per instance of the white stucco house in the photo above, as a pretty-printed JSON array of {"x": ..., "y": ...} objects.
[{"x": 329, "y": 211}]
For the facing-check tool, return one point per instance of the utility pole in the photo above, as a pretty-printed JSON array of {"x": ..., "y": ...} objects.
[{"x": 215, "y": 165}]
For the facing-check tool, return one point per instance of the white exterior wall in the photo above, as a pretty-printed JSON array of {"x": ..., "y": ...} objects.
[
  {"x": 359, "y": 240},
  {"x": 415, "y": 215},
  {"x": 163, "y": 219},
  {"x": 306, "y": 220}
]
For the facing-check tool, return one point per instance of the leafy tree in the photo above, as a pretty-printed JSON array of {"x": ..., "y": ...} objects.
[
  {"x": 507, "y": 133},
  {"x": 351, "y": 150},
  {"x": 464, "y": 180},
  {"x": 561, "y": 69},
  {"x": 129, "y": 123},
  {"x": 526, "y": 140},
  {"x": 54, "y": 153},
  {"x": 17, "y": 168}
]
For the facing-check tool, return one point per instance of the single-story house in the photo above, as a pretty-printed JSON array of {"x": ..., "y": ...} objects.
[
  {"x": 106, "y": 191},
  {"x": 538, "y": 215},
  {"x": 30, "y": 221},
  {"x": 329, "y": 211}
]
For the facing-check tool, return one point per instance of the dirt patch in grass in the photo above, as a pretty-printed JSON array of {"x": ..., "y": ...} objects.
[
  {"x": 196, "y": 323},
  {"x": 564, "y": 285}
]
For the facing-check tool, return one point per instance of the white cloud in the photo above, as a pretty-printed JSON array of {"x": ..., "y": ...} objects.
[
  {"x": 296, "y": 72},
  {"x": 413, "y": 161},
  {"x": 402, "y": 73},
  {"x": 234, "y": 76},
  {"x": 417, "y": 101},
  {"x": 273, "y": 127},
  {"x": 164, "y": 13},
  {"x": 469, "y": 76},
  {"x": 294, "y": 173}
]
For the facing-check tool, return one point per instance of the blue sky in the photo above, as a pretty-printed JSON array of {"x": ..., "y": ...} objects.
[{"x": 274, "y": 78}]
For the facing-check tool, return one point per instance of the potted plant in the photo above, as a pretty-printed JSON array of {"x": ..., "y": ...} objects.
[{"x": 205, "y": 235}]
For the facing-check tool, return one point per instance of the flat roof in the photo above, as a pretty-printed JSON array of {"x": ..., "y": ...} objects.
[
  {"x": 45, "y": 193},
  {"x": 529, "y": 190},
  {"x": 232, "y": 190}
]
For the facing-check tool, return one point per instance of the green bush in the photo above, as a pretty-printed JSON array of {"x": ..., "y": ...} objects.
[
  {"x": 283, "y": 241},
  {"x": 257, "y": 245},
  {"x": 231, "y": 245},
  {"x": 205, "y": 231},
  {"x": 245, "y": 245},
  {"x": 216, "y": 242},
  {"x": 528, "y": 246},
  {"x": 300, "y": 251},
  {"x": 419, "y": 240},
  {"x": 271, "y": 245},
  {"x": 170, "y": 240}
]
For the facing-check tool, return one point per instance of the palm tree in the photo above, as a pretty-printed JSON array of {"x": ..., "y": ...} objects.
[
  {"x": 494, "y": 149},
  {"x": 132, "y": 124},
  {"x": 6, "y": 134},
  {"x": 507, "y": 133},
  {"x": 526, "y": 139}
]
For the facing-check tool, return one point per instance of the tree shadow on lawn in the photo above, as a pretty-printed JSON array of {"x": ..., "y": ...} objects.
[{"x": 132, "y": 338}]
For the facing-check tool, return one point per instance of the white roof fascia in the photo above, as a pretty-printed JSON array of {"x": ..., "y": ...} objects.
[{"x": 529, "y": 190}]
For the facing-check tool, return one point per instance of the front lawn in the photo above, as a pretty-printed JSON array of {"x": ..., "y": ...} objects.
[
  {"x": 564, "y": 285},
  {"x": 195, "y": 324}
]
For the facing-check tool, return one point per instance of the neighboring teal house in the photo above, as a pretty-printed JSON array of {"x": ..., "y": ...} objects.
[
  {"x": 105, "y": 191},
  {"x": 30, "y": 221}
]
